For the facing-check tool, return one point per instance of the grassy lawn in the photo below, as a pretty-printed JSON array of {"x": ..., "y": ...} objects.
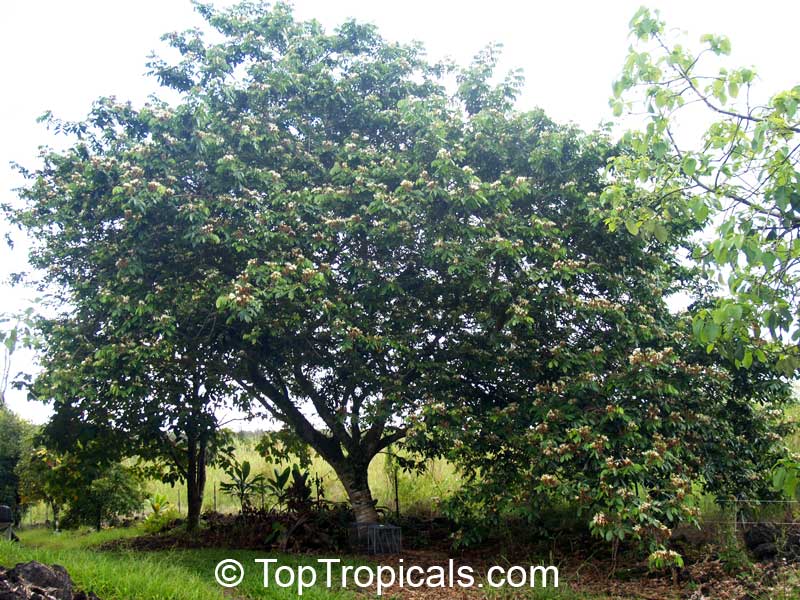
[
  {"x": 163, "y": 575},
  {"x": 184, "y": 574},
  {"x": 118, "y": 576}
]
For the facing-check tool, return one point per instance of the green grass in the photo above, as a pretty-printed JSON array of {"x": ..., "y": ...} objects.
[
  {"x": 418, "y": 493},
  {"x": 163, "y": 575},
  {"x": 187, "y": 574},
  {"x": 41, "y": 537},
  {"x": 114, "y": 576}
]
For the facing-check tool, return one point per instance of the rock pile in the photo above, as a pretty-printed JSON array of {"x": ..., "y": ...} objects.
[
  {"x": 768, "y": 541},
  {"x": 35, "y": 581}
]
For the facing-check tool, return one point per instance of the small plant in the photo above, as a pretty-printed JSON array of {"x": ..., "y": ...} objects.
[
  {"x": 241, "y": 485},
  {"x": 159, "y": 521},
  {"x": 298, "y": 495},
  {"x": 277, "y": 485},
  {"x": 666, "y": 559},
  {"x": 320, "y": 489},
  {"x": 158, "y": 503},
  {"x": 732, "y": 554}
]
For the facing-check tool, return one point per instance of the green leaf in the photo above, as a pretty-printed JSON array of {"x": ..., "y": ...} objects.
[
  {"x": 660, "y": 149},
  {"x": 698, "y": 325},
  {"x": 689, "y": 165}
]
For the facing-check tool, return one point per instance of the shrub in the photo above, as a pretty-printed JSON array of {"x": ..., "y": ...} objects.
[
  {"x": 116, "y": 493},
  {"x": 157, "y": 522}
]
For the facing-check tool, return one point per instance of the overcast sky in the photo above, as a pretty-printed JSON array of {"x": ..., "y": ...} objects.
[{"x": 60, "y": 55}]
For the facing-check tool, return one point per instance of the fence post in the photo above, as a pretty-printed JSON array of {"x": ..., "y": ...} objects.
[{"x": 396, "y": 494}]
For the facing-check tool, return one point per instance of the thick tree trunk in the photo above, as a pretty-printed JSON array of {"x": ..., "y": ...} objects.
[
  {"x": 348, "y": 452},
  {"x": 356, "y": 483},
  {"x": 195, "y": 481}
]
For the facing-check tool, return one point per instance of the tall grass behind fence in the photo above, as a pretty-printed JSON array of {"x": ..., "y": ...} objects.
[{"x": 419, "y": 494}]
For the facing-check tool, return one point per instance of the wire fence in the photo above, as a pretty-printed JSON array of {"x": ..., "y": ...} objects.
[
  {"x": 42, "y": 514},
  {"x": 752, "y": 505}
]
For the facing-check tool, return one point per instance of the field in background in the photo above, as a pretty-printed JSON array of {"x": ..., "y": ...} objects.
[{"x": 419, "y": 494}]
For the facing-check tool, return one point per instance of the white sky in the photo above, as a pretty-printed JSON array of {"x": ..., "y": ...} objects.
[{"x": 60, "y": 56}]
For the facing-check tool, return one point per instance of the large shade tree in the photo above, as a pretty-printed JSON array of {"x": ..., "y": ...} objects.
[{"x": 366, "y": 246}]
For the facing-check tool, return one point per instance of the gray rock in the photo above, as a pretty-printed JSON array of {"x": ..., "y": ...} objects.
[
  {"x": 53, "y": 579},
  {"x": 36, "y": 581},
  {"x": 765, "y": 551}
]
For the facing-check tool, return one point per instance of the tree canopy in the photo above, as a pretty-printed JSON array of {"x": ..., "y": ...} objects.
[
  {"x": 327, "y": 235},
  {"x": 14, "y": 444},
  {"x": 737, "y": 182}
]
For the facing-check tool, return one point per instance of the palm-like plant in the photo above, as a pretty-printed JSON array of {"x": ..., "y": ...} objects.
[
  {"x": 241, "y": 484},
  {"x": 277, "y": 485},
  {"x": 158, "y": 503}
]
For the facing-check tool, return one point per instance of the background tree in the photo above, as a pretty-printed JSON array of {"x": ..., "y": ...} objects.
[
  {"x": 113, "y": 493},
  {"x": 45, "y": 477},
  {"x": 81, "y": 479},
  {"x": 737, "y": 181},
  {"x": 15, "y": 443},
  {"x": 146, "y": 387}
]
